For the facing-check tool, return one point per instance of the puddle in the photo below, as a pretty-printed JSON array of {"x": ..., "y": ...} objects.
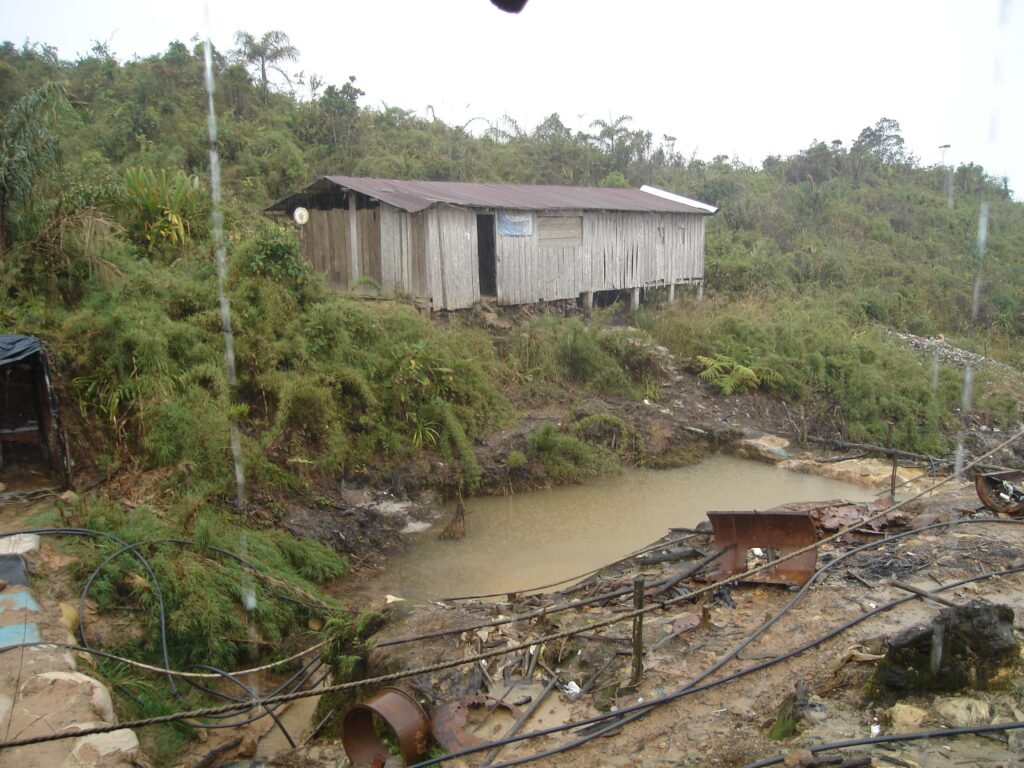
[{"x": 517, "y": 542}]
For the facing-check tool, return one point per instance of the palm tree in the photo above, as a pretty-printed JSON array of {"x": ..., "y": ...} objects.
[
  {"x": 265, "y": 53},
  {"x": 612, "y": 132},
  {"x": 28, "y": 146}
]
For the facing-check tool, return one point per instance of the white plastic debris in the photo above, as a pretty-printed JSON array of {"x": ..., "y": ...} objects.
[{"x": 572, "y": 690}]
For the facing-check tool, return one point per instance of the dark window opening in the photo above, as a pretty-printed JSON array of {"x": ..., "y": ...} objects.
[{"x": 487, "y": 254}]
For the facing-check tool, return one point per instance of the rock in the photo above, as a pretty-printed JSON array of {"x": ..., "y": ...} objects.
[
  {"x": 961, "y": 710},
  {"x": 356, "y": 497},
  {"x": 798, "y": 757},
  {"x": 104, "y": 750},
  {"x": 69, "y": 617},
  {"x": 64, "y": 686},
  {"x": 766, "y": 447},
  {"x": 906, "y": 717},
  {"x": 1015, "y": 738},
  {"x": 3, "y": 584},
  {"x": 68, "y": 497}
]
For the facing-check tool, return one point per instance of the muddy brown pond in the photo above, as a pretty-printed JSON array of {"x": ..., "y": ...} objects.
[{"x": 515, "y": 543}]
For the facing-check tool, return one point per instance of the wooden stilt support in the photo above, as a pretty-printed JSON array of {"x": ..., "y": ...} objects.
[{"x": 588, "y": 301}]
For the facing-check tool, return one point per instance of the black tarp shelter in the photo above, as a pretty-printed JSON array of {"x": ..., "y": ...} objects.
[{"x": 29, "y": 413}]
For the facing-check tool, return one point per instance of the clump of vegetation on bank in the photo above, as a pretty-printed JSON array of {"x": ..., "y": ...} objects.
[
  {"x": 566, "y": 458},
  {"x": 589, "y": 357}
]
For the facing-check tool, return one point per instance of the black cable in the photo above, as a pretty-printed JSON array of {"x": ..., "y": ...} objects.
[
  {"x": 966, "y": 730},
  {"x": 142, "y": 560},
  {"x": 158, "y": 592},
  {"x": 316, "y": 662},
  {"x": 638, "y": 710},
  {"x": 269, "y": 710}
]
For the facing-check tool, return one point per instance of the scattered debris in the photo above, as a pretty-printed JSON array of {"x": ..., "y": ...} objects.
[
  {"x": 451, "y": 721},
  {"x": 961, "y": 710},
  {"x": 970, "y": 645},
  {"x": 1002, "y": 491}
]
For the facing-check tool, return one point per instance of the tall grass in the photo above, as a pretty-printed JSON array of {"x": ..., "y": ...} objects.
[{"x": 850, "y": 376}]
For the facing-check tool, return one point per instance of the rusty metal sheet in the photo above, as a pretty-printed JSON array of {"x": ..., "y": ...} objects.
[
  {"x": 414, "y": 196},
  {"x": 773, "y": 531},
  {"x": 450, "y": 721}
]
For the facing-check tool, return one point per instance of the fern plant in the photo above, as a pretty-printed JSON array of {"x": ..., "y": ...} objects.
[{"x": 731, "y": 375}]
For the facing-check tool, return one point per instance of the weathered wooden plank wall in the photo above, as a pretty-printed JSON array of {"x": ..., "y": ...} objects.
[
  {"x": 618, "y": 251},
  {"x": 453, "y": 263},
  {"x": 434, "y": 253},
  {"x": 325, "y": 244},
  {"x": 403, "y": 252},
  {"x": 368, "y": 228}
]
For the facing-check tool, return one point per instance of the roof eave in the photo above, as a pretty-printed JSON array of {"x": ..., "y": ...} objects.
[{"x": 666, "y": 195}]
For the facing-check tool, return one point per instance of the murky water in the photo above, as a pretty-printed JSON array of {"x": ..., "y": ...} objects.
[{"x": 518, "y": 542}]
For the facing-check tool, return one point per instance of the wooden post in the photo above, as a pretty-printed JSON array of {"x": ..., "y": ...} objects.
[
  {"x": 895, "y": 460},
  {"x": 634, "y": 300},
  {"x": 353, "y": 241},
  {"x": 638, "y": 632},
  {"x": 588, "y": 301},
  {"x": 700, "y": 290},
  {"x": 671, "y": 293}
]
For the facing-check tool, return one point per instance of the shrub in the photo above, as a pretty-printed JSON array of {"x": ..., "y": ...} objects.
[{"x": 567, "y": 459}]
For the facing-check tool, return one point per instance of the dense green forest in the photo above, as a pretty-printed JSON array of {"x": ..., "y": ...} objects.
[{"x": 106, "y": 253}]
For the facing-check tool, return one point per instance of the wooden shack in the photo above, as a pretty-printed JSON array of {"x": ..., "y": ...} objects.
[{"x": 450, "y": 244}]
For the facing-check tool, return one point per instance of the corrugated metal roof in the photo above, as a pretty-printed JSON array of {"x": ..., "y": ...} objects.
[{"x": 415, "y": 196}]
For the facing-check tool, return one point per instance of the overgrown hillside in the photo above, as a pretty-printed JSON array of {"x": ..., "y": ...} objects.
[{"x": 810, "y": 260}]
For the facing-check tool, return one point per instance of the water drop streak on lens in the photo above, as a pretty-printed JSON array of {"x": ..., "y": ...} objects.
[
  {"x": 965, "y": 404},
  {"x": 222, "y": 263}
]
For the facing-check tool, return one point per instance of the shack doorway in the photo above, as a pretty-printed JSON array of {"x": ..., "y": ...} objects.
[
  {"x": 487, "y": 254},
  {"x": 32, "y": 451}
]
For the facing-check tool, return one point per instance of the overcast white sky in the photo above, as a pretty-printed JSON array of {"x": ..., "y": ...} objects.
[{"x": 743, "y": 78}]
